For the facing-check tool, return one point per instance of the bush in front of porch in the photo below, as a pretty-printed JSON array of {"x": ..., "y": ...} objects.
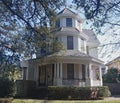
[{"x": 67, "y": 93}]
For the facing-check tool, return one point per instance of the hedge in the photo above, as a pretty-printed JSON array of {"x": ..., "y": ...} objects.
[
  {"x": 24, "y": 87},
  {"x": 7, "y": 87},
  {"x": 64, "y": 93}
]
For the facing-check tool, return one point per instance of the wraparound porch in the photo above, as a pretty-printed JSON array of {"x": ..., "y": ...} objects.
[{"x": 70, "y": 74}]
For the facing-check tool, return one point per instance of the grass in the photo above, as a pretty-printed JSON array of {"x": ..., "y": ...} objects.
[
  {"x": 55, "y": 101},
  {"x": 63, "y": 101}
]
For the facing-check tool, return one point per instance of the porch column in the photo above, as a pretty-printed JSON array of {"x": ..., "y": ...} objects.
[
  {"x": 57, "y": 70},
  {"x": 27, "y": 72},
  {"x": 90, "y": 74},
  {"x": 61, "y": 73},
  {"x": 54, "y": 70},
  {"x": 61, "y": 70},
  {"x": 55, "y": 73},
  {"x": 100, "y": 71},
  {"x": 86, "y": 71}
]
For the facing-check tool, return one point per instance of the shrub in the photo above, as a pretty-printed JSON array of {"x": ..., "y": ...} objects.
[
  {"x": 111, "y": 76},
  {"x": 39, "y": 92},
  {"x": 104, "y": 92},
  {"x": 7, "y": 87},
  {"x": 61, "y": 92},
  {"x": 83, "y": 92},
  {"x": 24, "y": 88}
]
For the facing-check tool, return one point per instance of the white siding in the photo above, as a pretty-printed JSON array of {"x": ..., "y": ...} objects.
[
  {"x": 79, "y": 44},
  {"x": 85, "y": 50},
  {"x": 76, "y": 24},
  {"x": 73, "y": 23},
  {"x": 62, "y": 22},
  {"x": 93, "y": 52},
  {"x": 75, "y": 42},
  {"x": 64, "y": 41},
  {"x": 80, "y": 26}
]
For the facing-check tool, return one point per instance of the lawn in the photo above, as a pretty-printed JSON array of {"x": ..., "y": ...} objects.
[{"x": 62, "y": 101}]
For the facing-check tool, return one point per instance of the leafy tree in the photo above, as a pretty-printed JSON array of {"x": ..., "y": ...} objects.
[
  {"x": 10, "y": 72},
  {"x": 22, "y": 19},
  {"x": 23, "y": 26},
  {"x": 7, "y": 87},
  {"x": 111, "y": 76},
  {"x": 102, "y": 16},
  {"x": 101, "y": 12}
]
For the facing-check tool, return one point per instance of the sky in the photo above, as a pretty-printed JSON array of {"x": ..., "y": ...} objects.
[{"x": 107, "y": 52}]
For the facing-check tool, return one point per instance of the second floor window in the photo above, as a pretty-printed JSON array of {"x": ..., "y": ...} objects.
[
  {"x": 68, "y": 22},
  {"x": 69, "y": 42}
]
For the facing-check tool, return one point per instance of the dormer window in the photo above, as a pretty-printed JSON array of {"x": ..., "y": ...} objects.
[{"x": 68, "y": 22}]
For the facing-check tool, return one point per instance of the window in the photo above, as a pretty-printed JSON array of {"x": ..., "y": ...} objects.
[
  {"x": 68, "y": 22},
  {"x": 82, "y": 45},
  {"x": 57, "y": 23},
  {"x": 83, "y": 72},
  {"x": 70, "y": 71},
  {"x": 69, "y": 42}
]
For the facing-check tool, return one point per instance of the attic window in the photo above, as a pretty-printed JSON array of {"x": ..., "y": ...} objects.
[{"x": 68, "y": 22}]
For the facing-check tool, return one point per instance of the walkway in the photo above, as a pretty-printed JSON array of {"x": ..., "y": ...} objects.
[{"x": 116, "y": 97}]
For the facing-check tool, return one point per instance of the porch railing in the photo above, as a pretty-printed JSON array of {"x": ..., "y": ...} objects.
[{"x": 73, "y": 82}]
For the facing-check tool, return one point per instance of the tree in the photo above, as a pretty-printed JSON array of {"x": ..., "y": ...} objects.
[
  {"x": 111, "y": 76},
  {"x": 23, "y": 26},
  {"x": 103, "y": 17},
  {"x": 101, "y": 12},
  {"x": 24, "y": 18}
]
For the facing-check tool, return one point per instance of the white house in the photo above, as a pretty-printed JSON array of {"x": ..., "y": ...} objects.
[{"x": 77, "y": 65}]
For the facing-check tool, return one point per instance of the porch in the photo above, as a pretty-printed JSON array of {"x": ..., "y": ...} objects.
[{"x": 69, "y": 74}]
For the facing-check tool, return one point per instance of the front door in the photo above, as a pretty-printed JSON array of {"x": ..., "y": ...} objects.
[{"x": 42, "y": 75}]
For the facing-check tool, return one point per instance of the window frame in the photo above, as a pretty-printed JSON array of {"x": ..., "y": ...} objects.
[
  {"x": 70, "y": 43},
  {"x": 69, "y": 22}
]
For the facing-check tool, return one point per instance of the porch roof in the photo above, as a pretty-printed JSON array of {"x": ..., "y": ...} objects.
[
  {"x": 69, "y": 54},
  {"x": 76, "y": 54}
]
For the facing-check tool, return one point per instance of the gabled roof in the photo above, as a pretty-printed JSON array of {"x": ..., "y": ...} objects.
[
  {"x": 118, "y": 58},
  {"x": 91, "y": 35},
  {"x": 69, "y": 13}
]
